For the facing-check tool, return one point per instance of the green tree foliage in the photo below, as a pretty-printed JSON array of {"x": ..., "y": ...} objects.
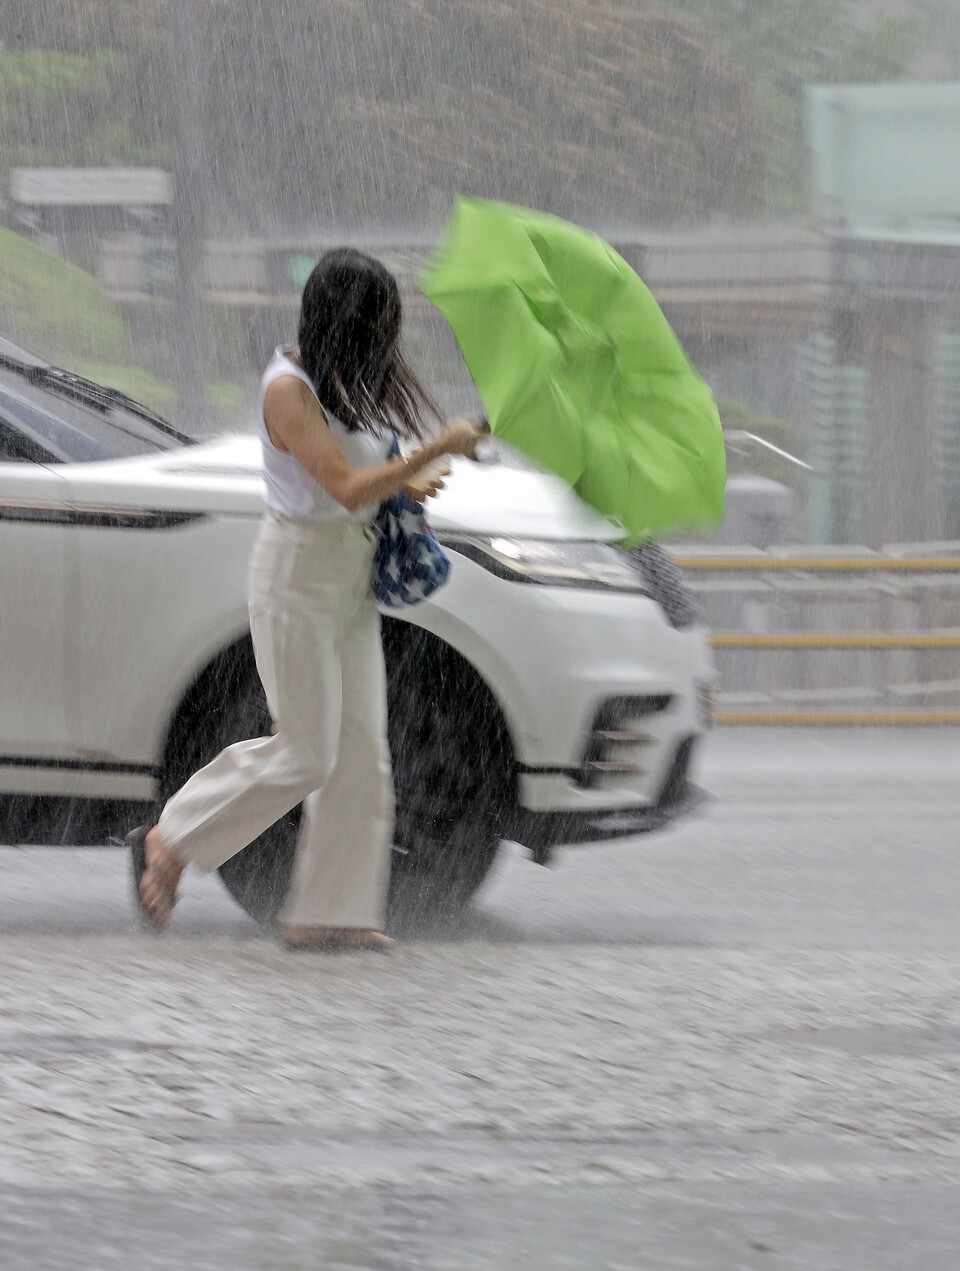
[
  {"x": 46, "y": 95},
  {"x": 385, "y": 110},
  {"x": 48, "y": 304},
  {"x": 352, "y": 110},
  {"x": 346, "y": 111},
  {"x": 57, "y": 310},
  {"x": 81, "y": 82}
]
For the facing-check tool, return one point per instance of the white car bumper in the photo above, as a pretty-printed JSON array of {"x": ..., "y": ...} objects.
[{"x": 599, "y": 691}]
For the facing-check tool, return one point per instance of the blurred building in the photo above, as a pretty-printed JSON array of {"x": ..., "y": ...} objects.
[{"x": 884, "y": 369}]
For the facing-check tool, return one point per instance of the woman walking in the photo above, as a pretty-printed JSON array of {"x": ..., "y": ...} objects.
[{"x": 329, "y": 408}]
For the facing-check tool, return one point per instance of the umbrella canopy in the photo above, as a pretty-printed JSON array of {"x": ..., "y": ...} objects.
[{"x": 577, "y": 366}]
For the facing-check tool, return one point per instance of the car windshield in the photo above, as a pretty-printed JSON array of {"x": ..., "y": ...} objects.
[{"x": 55, "y": 416}]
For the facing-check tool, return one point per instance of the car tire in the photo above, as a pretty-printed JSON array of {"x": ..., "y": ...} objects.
[
  {"x": 447, "y": 834},
  {"x": 448, "y": 789},
  {"x": 453, "y": 773}
]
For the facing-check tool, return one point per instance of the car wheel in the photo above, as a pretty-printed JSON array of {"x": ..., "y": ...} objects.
[
  {"x": 447, "y": 757},
  {"x": 453, "y": 775},
  {"x": 443, "y": 848}
]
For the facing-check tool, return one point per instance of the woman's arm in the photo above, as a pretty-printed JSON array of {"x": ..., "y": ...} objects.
[{"x": 296, "y": 423}]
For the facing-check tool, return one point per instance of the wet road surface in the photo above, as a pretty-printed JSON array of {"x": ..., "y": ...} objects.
[{"x": 734, "y": 1044}]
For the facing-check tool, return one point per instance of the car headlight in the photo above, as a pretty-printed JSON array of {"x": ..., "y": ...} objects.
[{"x": 555, "y": 563}]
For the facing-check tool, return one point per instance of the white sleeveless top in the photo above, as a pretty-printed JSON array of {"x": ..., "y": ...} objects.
[{"x": 291, "y": 491}]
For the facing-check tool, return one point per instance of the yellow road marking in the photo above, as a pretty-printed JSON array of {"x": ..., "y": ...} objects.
[
  {"x": 837, "y": 717},
  {"x": 817, "y": 640},
  {"x": 884, "y": 564}
]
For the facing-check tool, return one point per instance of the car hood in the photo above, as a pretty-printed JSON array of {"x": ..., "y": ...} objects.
[{"x": 224, "y": 477}]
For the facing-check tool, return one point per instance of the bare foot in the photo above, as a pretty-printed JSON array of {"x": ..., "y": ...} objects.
[
  {"x": 334, "y": 939},
  {"x": 158, "y": 886}
]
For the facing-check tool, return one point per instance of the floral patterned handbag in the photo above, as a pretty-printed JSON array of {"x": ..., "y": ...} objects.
[{"x": 408, "y": 563}]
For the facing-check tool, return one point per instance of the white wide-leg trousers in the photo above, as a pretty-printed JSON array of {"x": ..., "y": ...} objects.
[{"x": 316, "y": 635}]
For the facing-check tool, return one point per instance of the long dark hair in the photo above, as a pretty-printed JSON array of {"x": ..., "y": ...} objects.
[{"x": 349, "y": 345}]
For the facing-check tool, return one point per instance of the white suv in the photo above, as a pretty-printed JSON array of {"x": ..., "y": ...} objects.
[{"x": 545, "y": 694}]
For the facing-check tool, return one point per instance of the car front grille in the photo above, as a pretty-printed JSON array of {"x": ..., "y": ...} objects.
[{"x": 664, "y": 581}]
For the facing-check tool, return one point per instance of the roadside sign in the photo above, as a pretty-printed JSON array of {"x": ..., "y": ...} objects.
[{"x": 91, "y": 187}]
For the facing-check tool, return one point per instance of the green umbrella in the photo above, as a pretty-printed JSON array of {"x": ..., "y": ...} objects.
[{"x": 577, "y": 366}]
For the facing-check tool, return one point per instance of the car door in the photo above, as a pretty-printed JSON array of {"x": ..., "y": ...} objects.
[{"x": 36, "y": 733}]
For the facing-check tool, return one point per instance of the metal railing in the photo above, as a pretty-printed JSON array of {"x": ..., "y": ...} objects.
[{"x": 822, "y": 637}]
